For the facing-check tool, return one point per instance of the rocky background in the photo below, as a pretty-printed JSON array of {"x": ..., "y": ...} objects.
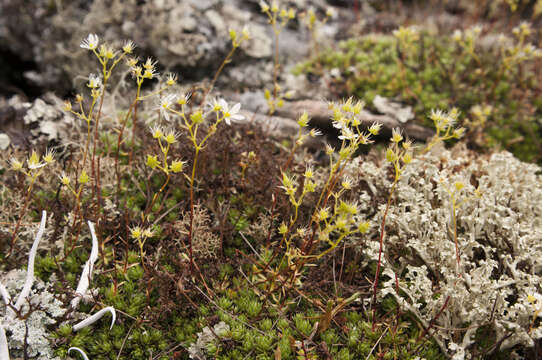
[{"x": 41, "y": 63}]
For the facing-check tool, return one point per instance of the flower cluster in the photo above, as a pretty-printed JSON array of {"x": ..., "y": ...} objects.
[
  {"x": 165, "y": 139},
  {"x": 278, "y": 17},
  {"x": 237, "y": 40},
  {"x": 347, "y": 118},
  {"x": 406, "y": 36},
  {"x": 33, "y": 164},
  {"x": 444, "y": 123},
  {"x": 275, "y": 12},
  {"x": 521, "y": 50}
]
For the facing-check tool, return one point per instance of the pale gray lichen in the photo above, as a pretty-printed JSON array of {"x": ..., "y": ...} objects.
[
  {"x": 43, "y": 308},
  {"x": 207, "y": 336},
  {"x": 27, "y": 319},
  {"x": 497, "y": 284}
]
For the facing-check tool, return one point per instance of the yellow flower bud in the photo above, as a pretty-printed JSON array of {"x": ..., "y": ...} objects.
[
  {"x": 396, "y": 136},
  {"x": 136, "y": 232},
  {"x": 459, "y": 185},
  {"x": 64, "y": 179},
  {"x": 196, "y": 117},
  {"x": 364, "y": 227},
  {"x": 303, "y": 119},
  {"x": 83, "y": 178},
  {"x": 323, "y": 214},
  {"x": 310, "y": 186},
  {"x": 49, "y": 156},
  {"x": 16, "y": 165},
  {"x": 177, "y": 166},
  {"x": 147, "y": 233},
  {"x": 390, "y": 155},
  {"x": 152, "y": 161},
  {"x": 407, "y": 158},
  {"x": 171, "y": 137}
]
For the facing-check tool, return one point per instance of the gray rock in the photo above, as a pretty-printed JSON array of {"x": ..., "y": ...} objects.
[
  {"x": 41, "y": 120},
  {"x": 180, "y": 34},
  {"x": 400, "y": 112}
]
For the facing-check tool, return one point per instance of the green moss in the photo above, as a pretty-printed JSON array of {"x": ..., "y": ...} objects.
[{"x": 439, "y": 75}]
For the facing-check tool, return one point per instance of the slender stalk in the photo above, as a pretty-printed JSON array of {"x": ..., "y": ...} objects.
[
  {"x": 217, "y": 74},
  {"x": 432, "y": 323},
  {"x": 93, "y": 162},
  {"x": 134, "y": 123},
  {"x": 190, "y": 229},
  {"x": 119, "y": 140},
  {"x": 382, "y": 231},
  {"x": 276, "y": 66}
]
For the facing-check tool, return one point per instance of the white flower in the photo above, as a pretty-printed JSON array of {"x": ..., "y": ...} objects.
[
  {"x": 171, "y": 79},
  {"x": 339, "y": 124},
  {"x": 264, "y": 6},
  {"x": 94, "y": 81},
  {"x": 375, "y": 128},
  {"x": 246, "y": 32},
  {"x": 16, "y": 165},
  {"x": 215, "y": 105},
  {"x": 347, "y": 134},
  {"x": 457, "y": 35},
  {"x": 230, "y": 113},
  {"x": 34, "y": 161},
  {"x": 91, "y": 42},
  {"x": 166, "y": 103},
  {"x": 157, "y": 132},
  {"x": 396, "y": 136},
  {"x": 315, "y": 132},
  {"x": 184, "y": 98},
  {"x": 35, "y": 165},
  {"x": 128, "y": 46}
]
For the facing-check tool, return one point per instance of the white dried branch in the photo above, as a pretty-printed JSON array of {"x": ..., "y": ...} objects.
[
  {"x": 85, "y": 357},
  {"x": 92, "y": 319},
  {"x": 4, "y": 352},
  {"x": 31, "y": 259},
  {"x": 5, "y": 294},
  {"x": 86, "y": 275}
]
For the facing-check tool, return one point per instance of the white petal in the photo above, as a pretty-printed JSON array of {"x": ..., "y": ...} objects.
[
  {"x": 36, "y": 166},
  {"x": 237, "y": 117},
  {"x": 235, "y": 109}
]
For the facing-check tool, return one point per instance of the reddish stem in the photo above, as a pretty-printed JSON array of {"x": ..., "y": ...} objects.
[{"x": 377, "y": 275}]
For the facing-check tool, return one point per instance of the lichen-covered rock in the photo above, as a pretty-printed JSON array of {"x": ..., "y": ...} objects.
[
  {"x": 496, "y": 284},
  {"x": 41, "y": 120},
  {"x": 187, "y": 35}
]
